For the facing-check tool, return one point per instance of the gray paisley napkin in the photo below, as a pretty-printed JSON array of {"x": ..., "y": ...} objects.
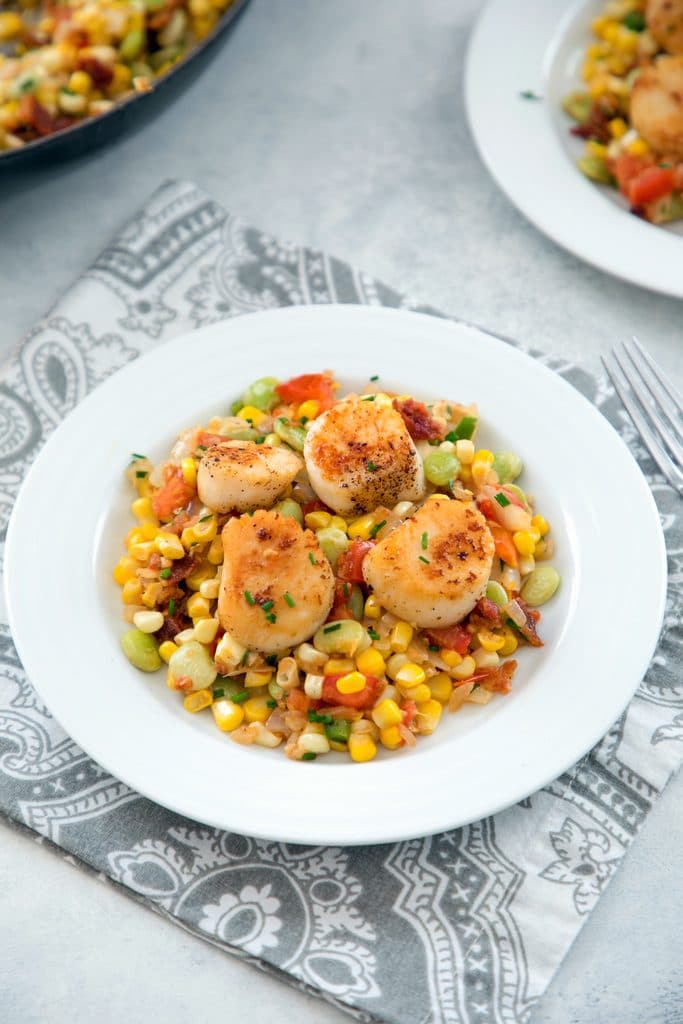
[{"x": 466, "y": 911}]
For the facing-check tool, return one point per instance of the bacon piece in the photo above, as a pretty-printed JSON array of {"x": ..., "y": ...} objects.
[
  {"x": 101, "y": 74},
  {"x": 528, "y": 630},
  {"x": 452, "y": 638},
  {"x": 173, "y": 624},
  {"x": 421, "y": 426},
  {"x": 498, "y": 680},
  {"x": 490, "y": 611},
  {"x": 182, "y": 568}
]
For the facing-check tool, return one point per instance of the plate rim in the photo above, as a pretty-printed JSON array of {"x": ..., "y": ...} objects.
[{"x": 307, "y": 834}]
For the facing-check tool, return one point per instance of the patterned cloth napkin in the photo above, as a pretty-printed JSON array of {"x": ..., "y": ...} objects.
[{"x": 451, "y": 928}]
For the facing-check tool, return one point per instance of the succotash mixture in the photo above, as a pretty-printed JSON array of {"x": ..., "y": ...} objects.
[
  {"x": 329, "y": 574},
  {"x": 61, "y": 62},
  {"x": 631, "y": 110}
]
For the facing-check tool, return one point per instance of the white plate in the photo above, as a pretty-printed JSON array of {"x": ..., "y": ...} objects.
[
  {"x": 538, "y": 45},
  {"x": 65, "y": 610}
]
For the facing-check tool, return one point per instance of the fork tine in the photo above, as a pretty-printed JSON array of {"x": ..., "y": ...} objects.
[
  {"x": 660, "y": 391},
  {"x": 671, "y": 391},
  {"x": 642, "y": 395},
  {"x": 660, "y": 456}
]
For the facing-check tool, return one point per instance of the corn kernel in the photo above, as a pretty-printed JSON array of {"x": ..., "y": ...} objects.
[
  {"x": 440, "y": 687},
  {"x": 338, "y": 666},
  {"x": 464, "y": 450},
  {"x": 419, "y": 693},
  {"x": 168, "y": 545},
  {"x": 198, "y": 607},
  {"x": 227, "y": 715},
  {"x": 142, "y": 550},
  {"x": 484, "y": 457},
  {"x": 386, "y": 713},
  {"x": 124, "y": 570},
  {"x": 339, "y": 524},
  {"x": 199, "y": 576},
  {"x": 80, "y": 82},
  {"x": 540, "y": 524},
  {"x": 318, "y": 520},
  {"x": 465, "y": 669},
  {"x": 354, "y": 682},
  {"x": 215, "y": 553},
  {"x": 198, "y": 700},
  {"x": 274, "y": 440},
  {"x": 638, "y": 147},
  {"x": 151, "y": 594},
  {"x": 308, "y": 410},
  {"x": 489, "y": 640},
  {"x": 510, "y": 644},
  {"x": 148, "y": 622},
  {"x": 597, "y": 149},
  {"x": 142, "y": 509},
  {"x": 481, "y": 465},
  {"x": 361, "y": 747},
  {"x": 205, "y": 630},
  {"x": 210, "y": 589},
  {"x": 252, "y": 414},
  {"x": 313, "y": 743},
  {"x": 617, "y": 127},
  {"x": 428, "y": 715},
  {"x": 11, "y": 25},
  {"x": 167, "y": 649},
  {"x": 610, "y": 31},
  {"x": 148, "y": 529},
  {"x": 452, "y": 658},
  {"x": 371, "y": 662},
  {"x": 598, "y": 86},
  {"x": 205, "y": 530},
  {"x": 257, "y": 677},
  {"x": 188, "y": 538},
  {"x": 256, "y": 709},
  {"x": 360, "y": 528},
  {"x": 396, "y": 663},
  {"x": 524, "y": 542},
  {"x": 410, "y": 674},
  {"x": 340, "y": 747},
  {"x": 132, "y": 592},
  {"x": 401, "y": 635},
  {"x": 390, "y": 737},
  {"x": 373, "y": 609}
]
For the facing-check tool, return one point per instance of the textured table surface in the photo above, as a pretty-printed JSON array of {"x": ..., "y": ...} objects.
[{"x": 339, "y": 126}]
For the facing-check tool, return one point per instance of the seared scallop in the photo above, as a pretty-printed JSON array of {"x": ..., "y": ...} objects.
[
  {"x": 359, "y": 455},
  {"x": 277, "y": 587},
  {"x": 657, "y": 106},
  {"x": 665, "y": 22},
  {"x": 241, "y": 475},
  {"x": 433, "y": 568}
]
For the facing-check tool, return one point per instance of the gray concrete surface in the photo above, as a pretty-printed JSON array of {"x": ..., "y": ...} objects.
[{"x": 340, "y": 126}]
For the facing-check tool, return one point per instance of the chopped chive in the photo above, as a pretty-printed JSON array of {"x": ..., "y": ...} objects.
[
  {"x": 267, "y": 605},
  {"x": 282, "y": 419},
  {"x": 345, "y": 590},
  {"x": 259, "y": 440},
  {"x": 375, "y": 377},
  {"x": 303, "y": 421},
  {"x": 271, "y": 618},
  {"x": 511, "y": 622},
  {"x": 249, "y": 598},
  {"x": 171, "y": 606},
  {"x": 218, "y": 693},
  {"x": 434, "y": 647},
  {"x": 501, "y": 499},
  {"x": 136, "y": 456},
  {"x": 368, "y": 398},
  {"x": 311, "y": 558},
  {"x": 239, "y": 698},
  {"x": 313, "y": 716},
  {"x": 331, "y": 629},
  {"x": 372, "y": 466},
  {"x": 377, "y": 527},
  {"x": 165, "y": 574},
  {"x": 271, "y": 703},
  {"x": 141, "y": 474},
  {"x": 201, "y": 447},
  {"x": 528, "y": 94},
  {"x": 423, "y": 559},
  {"x": 271, "y": 660},
  {"x": 372, "y": 633},
  {"x": 289, "y": 599},
  {"x": 243, "y": 660},
  {"x": 425, "y": 541},
  {"x": 308, "y": 756},
  {"x": 205, "y": 519}
]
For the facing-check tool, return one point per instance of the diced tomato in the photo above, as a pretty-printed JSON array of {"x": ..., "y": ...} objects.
[
  {"x": 420, "y": 424},
  {"x": 316, "y": 386},
  {"x": 485, "y": 506},
  {"x": 315, "y": 506},
  {"x": 350, "y": 562},
  {"x": 652, "y": 183},
  {"x": 626, "y": 168},
  {"x": 174, "y": 494},
  {"x": 452, "y": 638},
  {"x": 297, "y": 700},
  {"x": 205, "y": 439},
  {"x": 34, "y": 115},
  {"x": 409, "y": 709},
  {"x": 361, "y": 700},
  {"x": 505, "y": 548},
  {"x": 340, "y": 608}
]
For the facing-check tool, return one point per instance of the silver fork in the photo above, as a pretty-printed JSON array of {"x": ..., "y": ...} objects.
[{"x": 654, "y": 405}]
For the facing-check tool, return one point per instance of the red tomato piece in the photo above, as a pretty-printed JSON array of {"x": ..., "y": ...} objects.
[
  {"x": 409, "y": 709},
  {"x": 205, "y": 439},
  {"x": 626, "y": 168},
  {"x": 316, "y": 386},
  {"x": 297, "y": 700},
  {"x": 350, "y": 562},
  {"x": 651, "y": 184},
  {"x": 453, "y": 638},
  {"x": 362, "y": 700},
  {"x": 340, "y": 607},
  {"x": 175, "y": 494}
]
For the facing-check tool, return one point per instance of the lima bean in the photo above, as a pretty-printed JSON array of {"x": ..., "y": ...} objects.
[
  {"x": 345, "y": 637},
  {"x": 291, "y": 435},
  {"x": 141, "y": 649},
  {"x": 333, "y": 542},
  {"x": 262, "y": 394},
  {"x": 194, "y": 661},
  {"x": 496, "y": 592},
  {"x": 540, "y": 585},
  {"x": 508, "y": 466},
  {"x": 441, "y": 467},
  {"x": 287, "y": 507}
]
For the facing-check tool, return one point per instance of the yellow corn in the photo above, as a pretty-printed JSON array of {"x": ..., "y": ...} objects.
[
  {"x": 256, "y": 709},
  {"x": 639, "y": 147},
  {"x": 215, "y": 552},
  {"x": 339, "y": 523},
  {"x": 151, "y": 594},
  {"x": 11, "y": 25},
  {"x": 210, "y": 588},
  {"x": 386, "y": 713},
  {"x": 419, "y": 693},
  {"x": 588, "y": 71},
  {"x": 428, "y": 715},
  {"x": 440, "y": 687},
  {"x": 524, "y": 542},
  {"x": 148, "y": 529},
  {"x": 540, "y": 524},
  {"x": 361, "y": 747},
  {"x": 618, "y": 127},
  {"x": 188, "y": 538},
  {"x": 308, "y": 410},
  {"x": 142, "y": 509},
  {"x": 489, "y": 640},
  {"x": 610, "y": 30},
  {"x": 396, "y": 663},
  {"x": 401, "y": 635},
  {"x": 142, "y": 550},
  {"x": 121, "y": 78},
  {"x": 464, "y": 450},
  {"x": 598, "y": 149},
  {"x": 410, "y": 675},
  {"x": 361, "y": 527},
  {"x": 598, "y": 86},
  {"x": 80, "y": 82},
  {"x": 354, "y": 682},
  {"x": 274, "y": 440},
  {"x": 132, "y": 592},
  {"x": 338, "y": 666},
  {"x": 452, "y": 658},
  {"x": 318, "y": 520},
  {"x": 166, "y": 649},
  {"x": 227, "y": 715},
  {"x": 371, "y": 662},
  {"x": 481, "y": 464},
  {"x": 199, "y": 576},
  {"x": 257, "y": 677},
  {"x": 198, "y": 700},
  {"x": 373, "y": 609},
  {"x": 124, "y": 570},
  {"x": 198, "y": 607},
  {"x": 390, "y": 737},
  {"x": 341, "y": 747},
  {"x": 510, "y": 644},
  {"x": 465, "y": 669},
  {"x": 252, "y": 414},
  {"x": 205, "y": 630},
  {"x": 170, "y": 546},
  {"x": 205, "y": 530}
]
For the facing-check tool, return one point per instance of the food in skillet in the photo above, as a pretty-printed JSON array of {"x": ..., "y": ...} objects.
[
  {"x": 631, "y": 111},
  {"x": 330, "y": 573},
  {"x": 61, "y": 62}
]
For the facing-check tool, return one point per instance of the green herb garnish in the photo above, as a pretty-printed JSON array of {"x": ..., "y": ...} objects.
[
  {"x": 205, "y": 519},
  {"x": 377, "y": 527},
  {"x": 635, "y": 20},
  {"x": 271, "y": 703},
  {"x": 267, "y": 605},
  {"x": 434, "y": 647},
  {"x": 248, "y": 597},
  {"x": 375, "y": 377},
  {"x": 165, "y": 574},
  {"x": 501, "y": 499},
  {"x": 136, "y": 456},
  {"x": 171, "y": 607},
  {"x": 218, "y": 693},
  {"x": 244, "y": 657},
  {"x": 373, "y": 634},
  {"x": 313, "y": 716},
  {"x": 372, "y": 466},
  {"x": 423, "y": 559},
  {"x": 289, "y": 599},
  {"x": 425, "y": 541},
  {"x": 368, "y": 398},
  {"x": 528, "y": 94},
  {"x": 239, "y": 698},
  {"x": 141, "y": 474},
  {"x": 311, "y": 558},
  {"x": 308, "y": 756},
  {"x": 333, "y": 628}
]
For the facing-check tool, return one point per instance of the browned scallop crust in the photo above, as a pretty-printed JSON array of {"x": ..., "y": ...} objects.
[
  {"x": 268, "y": 556},
  {"x": 240, "y": 475},
  {"x": 665, "y": 22},
  {"x": 657, "y": 106}
]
